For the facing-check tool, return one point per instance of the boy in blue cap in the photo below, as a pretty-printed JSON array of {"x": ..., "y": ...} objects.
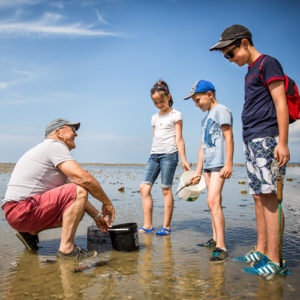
[
  {"x": 265, "y": 135},
  {"x": 216, "y": 134}
]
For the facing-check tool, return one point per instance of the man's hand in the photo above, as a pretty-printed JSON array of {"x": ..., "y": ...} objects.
[
  {"x": 102, "y": 223},
  {"x": 281, "y": 154},
  {"x": 108, "y": 210}
]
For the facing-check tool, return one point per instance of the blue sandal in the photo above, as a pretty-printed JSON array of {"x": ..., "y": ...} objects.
[
  {"x": 163, "y": 231},
  {"x": 146, "y": 230}
]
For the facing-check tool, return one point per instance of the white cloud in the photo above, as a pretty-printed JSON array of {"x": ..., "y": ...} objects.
[
  {"x": 23, "y": 72},
  {"x": 48, "y": 25},
  {"x": 4, "y": 85},
  {"x": 25, "y": 76},
  {"x": 58, "y": 4},
  {"x": 59, "y": 96},
  {"x": 17, "y": 3},
  {"x": 50, "y": 17},
  {"x": 20, "y": 12},
  {"x": 100, "y": 18}
]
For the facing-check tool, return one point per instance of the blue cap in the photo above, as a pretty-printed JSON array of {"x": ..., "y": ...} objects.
[{"x": 200, "y": 86}]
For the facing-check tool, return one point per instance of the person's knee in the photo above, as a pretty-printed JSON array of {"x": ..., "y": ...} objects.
[
  {"x": 145, "y": 189},
  {"x": 81, "y": 193},
  {"x": 166, "y": 192},
  {"x": 213, "y": 203}
]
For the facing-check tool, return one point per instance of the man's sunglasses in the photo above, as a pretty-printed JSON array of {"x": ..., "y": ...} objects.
[
  {"x": 71, "y": 126},
  {"x": 230, "y": 54}
]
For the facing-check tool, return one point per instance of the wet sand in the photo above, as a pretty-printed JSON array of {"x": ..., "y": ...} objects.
[{"x": 165, "y": 267}]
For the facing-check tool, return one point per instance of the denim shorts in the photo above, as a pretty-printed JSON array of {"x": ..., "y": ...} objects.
[
  {"x": 261, "y": 166},
  {"x": 164, "y": 163}
]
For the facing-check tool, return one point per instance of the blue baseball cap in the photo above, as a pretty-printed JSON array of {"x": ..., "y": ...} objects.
[{"x": 200, "y": 86}]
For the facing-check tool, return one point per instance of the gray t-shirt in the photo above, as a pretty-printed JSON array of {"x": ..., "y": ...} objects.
[
  {"x": 212, "y": 136},
  {"x": 36, "y": 171}
]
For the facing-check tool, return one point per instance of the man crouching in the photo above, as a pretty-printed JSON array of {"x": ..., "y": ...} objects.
[{"x": 38, "y": 196}]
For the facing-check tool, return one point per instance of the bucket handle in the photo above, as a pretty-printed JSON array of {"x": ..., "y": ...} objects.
[
  {"x": 186, "y": 185},
  {"x": 117, "y": 229}
]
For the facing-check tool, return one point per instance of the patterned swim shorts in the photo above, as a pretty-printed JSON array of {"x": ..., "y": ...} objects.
[{"x": 261, "y": 166}]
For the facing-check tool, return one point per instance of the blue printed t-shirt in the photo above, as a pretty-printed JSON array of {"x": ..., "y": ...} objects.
[
  {"x": 212, "y": 136},
  {"x": 259, "y": 113}
]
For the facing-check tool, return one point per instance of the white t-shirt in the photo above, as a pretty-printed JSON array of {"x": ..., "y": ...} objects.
[
  {"x": 36, "y": 171},
  {"x": 164, "y": 134}
]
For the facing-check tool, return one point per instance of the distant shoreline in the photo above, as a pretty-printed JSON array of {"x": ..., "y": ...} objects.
[{"x": 11, "y": 165}]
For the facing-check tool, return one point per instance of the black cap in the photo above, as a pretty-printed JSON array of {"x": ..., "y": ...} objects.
[{"x": 230, "y": 35}]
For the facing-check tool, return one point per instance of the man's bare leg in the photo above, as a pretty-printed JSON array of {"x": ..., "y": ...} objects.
[{"x": 71, "y": 219}]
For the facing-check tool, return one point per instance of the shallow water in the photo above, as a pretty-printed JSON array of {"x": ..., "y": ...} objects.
[{"x": 165, "y": 267}]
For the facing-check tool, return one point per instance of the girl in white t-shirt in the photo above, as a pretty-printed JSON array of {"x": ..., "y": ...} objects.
[{"x": 167, "y": 144}]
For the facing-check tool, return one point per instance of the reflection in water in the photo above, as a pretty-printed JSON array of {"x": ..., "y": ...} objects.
[
  {"x": 42, "y": 278},
  {"x": 156, "y": 268},
  {"x": 169, "y": 276},
  {"x": 217, "y": 280},
  {"x": 270, "y": 289},
  {"x": 146, "y": 265},
  {"x": 27, "y": 279}
]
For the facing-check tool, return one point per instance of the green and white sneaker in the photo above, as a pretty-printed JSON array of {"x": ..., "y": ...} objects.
[
  {"x": 219, "y": 255},
  {"x": 209, "y": 244},
  {"x": 266, "y": 268},
  {"x": 251, "y": 257}
]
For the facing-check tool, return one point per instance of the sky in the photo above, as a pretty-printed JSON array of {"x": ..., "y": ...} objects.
[{"x": 95, "y": 61}]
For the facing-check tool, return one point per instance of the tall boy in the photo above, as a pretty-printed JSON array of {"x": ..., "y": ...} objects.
[
  {"x": 216, "y": 135},
  {"x": 265, "y": 135}
]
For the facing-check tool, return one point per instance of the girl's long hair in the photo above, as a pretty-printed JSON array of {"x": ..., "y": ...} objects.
[{"x": 162, "y": 87}]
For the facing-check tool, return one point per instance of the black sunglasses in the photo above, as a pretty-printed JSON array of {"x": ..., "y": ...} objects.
[{"x": 230, "y": 54}]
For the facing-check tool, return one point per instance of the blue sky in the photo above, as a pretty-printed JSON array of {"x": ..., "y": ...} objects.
[{"x": 96, "y": 61}]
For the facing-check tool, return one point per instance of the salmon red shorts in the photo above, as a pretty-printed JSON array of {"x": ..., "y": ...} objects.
[{"x": 40, "y": 212}]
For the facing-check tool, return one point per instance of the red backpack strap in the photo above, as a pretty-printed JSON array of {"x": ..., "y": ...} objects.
[{"x": 260, "y": 72}]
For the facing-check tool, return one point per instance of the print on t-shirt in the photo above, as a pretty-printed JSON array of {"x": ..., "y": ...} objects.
[{"x": 212, "y": 133}]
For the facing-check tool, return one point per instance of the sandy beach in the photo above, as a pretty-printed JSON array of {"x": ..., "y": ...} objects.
[{"x": 165, "y": 267}]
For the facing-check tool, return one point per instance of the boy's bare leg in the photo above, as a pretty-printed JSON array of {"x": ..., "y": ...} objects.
[
  {"x": 261, "y": 245},
  {"x": 168, "y": 207},
  {"x": 214, "y": 200},
  {"x": 270, "y": 210},
  {"x": 71, "y": 219},
  {"x": 207, "y": 180},
  {"x": 214, "y": 229},
  {"x": 145, "y": 190}
]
